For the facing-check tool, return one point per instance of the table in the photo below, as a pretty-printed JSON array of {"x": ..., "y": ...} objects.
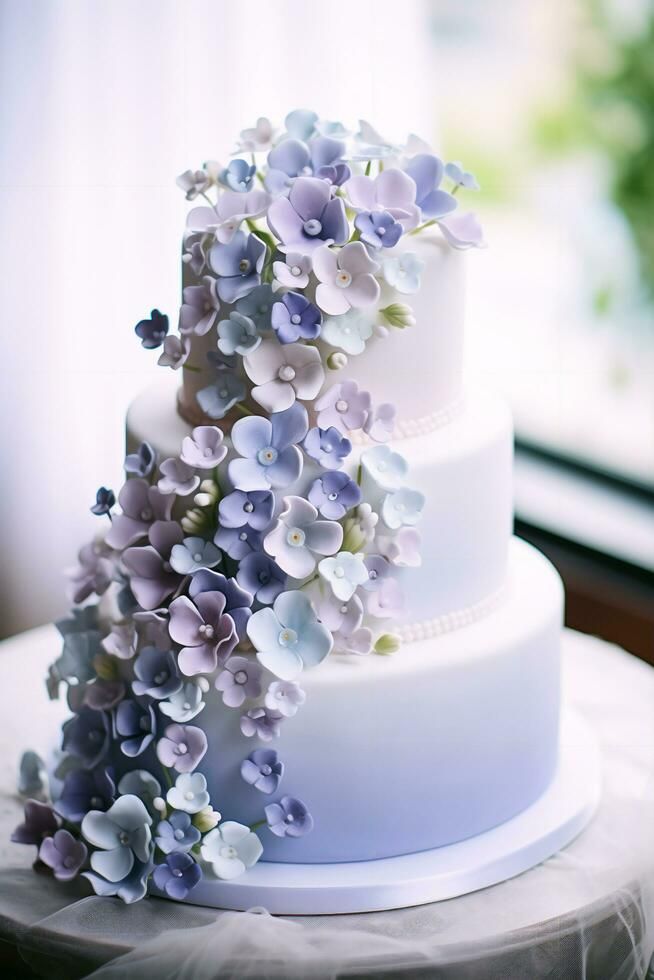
[{"x": 586, "y": 912}]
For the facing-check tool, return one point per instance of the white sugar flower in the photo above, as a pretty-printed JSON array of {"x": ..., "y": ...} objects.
[
  {"x": 189, "y": 793},
  {"x": 230, "y": 849},
  {"x": 349, "y": 331},
  {"x": 344, "y": 573}
]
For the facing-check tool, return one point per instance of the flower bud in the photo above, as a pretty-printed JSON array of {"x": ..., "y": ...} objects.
[
  {"x": 337, "y": 361},
  {"x": 106, "y": 667},
  {"x": 206, "y": 819},
  {"x": 387, "y": 643},
  {"x": 399, "y": 315},
  {"x": 202, "y": 500},
  {"x": 193, "y": 521}
]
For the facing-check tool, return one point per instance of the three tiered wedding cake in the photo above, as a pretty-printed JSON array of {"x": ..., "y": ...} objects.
[{"x": 294, "y": 644}]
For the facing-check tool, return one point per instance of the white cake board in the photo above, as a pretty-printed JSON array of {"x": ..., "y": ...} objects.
[{"x": 541, "y": 830}]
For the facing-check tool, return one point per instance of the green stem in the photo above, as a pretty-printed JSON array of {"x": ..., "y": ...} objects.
[
  {"x": 240, "y": 407},
  {"x": 355, "y": 236},
  {"x": 168, "y": 777},
  {"x": 427, "y": 224},
  {"x": 259, "y": 823},
  {"x": 455, "y": 189},
  {"x": 368, "y": 168},
  {"x": 191, "y": 367},
  {"x": 359, "y": 474},
  {"x": 208, "y": 200}
]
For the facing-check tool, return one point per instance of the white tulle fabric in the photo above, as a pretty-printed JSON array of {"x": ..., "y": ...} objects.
[{"x": 587, "y": 913}]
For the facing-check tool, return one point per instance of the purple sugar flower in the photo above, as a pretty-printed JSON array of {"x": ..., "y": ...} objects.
[
  {"x": 152, "y": 577},
  {"x": 344, "y": 407},
  {"x": 263, "y": 770},
  {"x": 64, "y": 854},
  {"x": 378, "y": 228},
  {"x": 104, "y": 501},
  {"x": 84, "y": 790},
  {"x": 288, "y": 818},
  {"x": 462, "y": 230},
  {"x": 156, "y": 674},
  {"x": 101, "y": 695},
  {"x": 237, "y": 600},
  {"x": 387, "y": 601},
  {"x": 237, "y": 542},
  {"x": 294, "y": 271},
  {"x": 241, "y": 679},
  {"x": 427, "y": 172},
  {"x": 40, "y": 823},
  {"x": 262, "y": 722},
  {"x": 283, "y": 373},
  {"x": 204, "y": 448},
  {"x": 198, "y": 312},
  {"x": 334, "y": 494},
  {"x": 392, "y": 191},
  {"x": 152, "y": 331},
  {"x": 268, "y": 447},
  {"x": 141, "y": 462},
  {"x": 86, "y": 736},
  {"x": 346, "y": 278},
  {"x": 381, "y": 422},
  {"x": 238, "y": 265},
  {"x": 182, "y": 747},
  {"x": 327, "y": 446},
  {"x": 254, "y": 509},
  {"x": 295, "y": 317},
  {"x": 175, "y": 354},
  {"x": 135, "y": 726},
  {"x": 93, "y": 574},
  {"x": 141, "y": 505},
  {"x": 204, "y": 629},
  {"x": 176, "y": 834},
  {"x": 261, "y": 576},
  {"x": 308, "y": 217},
  {"x": 285, "y": 697},
  {"x": 177, "y": 477},
  {"x": 177, "y": 876},
  {"x": 238, "y": 175}
]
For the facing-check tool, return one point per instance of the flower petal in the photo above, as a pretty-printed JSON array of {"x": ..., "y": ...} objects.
[{"x": 282, "y": 661}]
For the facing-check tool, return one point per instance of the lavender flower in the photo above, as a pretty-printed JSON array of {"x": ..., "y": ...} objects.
[
  {"x": 238, "y": 265},
  {"x": 177, "y": 477},
  {"x": 64, "y": 854},
  {"x": 135, "y": 726},
  {"x": 391, "y": 191},
  {"x": 334, "y": 494},
  {"x": 237, "y": 542},
  {"x": 254, "y": 509},
  {"x": 84, "y": 790},
  {"x": 294, "y": 271},
  {"x": 270, "y": 456},
  {"x": 346, "y": 278},
  {"x": 93, "y": 574},
  {"x": 327, "y": 446},
  {"x": 262, "y": 722},
  {"x": 141, "y": 462},
  {"x": 261, "y": 576},
  {"x": 204, "y": 448},
  {"x": 288, "y": 818},
  {"x": 156, "y": 674},
  {"x": 199, "y": 310},
  {"x": 378, "y": 229},
  {"x": 427, "y": 172},
  {"x": 153, "y": 330},
  {"x": 283, "y": 372},
  {"x": 238, "y": 176},
  {"x": 175, "y": 354},
  {"x": 380, "y": 423},
  {"x": 176, "y": 834},
  {"x": 121, "y": 642},
  {"x": 177, "y": 876},
  {"x": 298, "y": 537},
  {"x": 182, "y": 747},
  {"x": 205, "y": 631},
  {"x": 141, "y": 505},
  {"x": 104, "y": 501},
  {"x": 263, "y": 770},
  {"x": 344, "y": 407},
  {"x": 387, "y": 601},
  {"x": 40, "y": 823},
  {"x": 241, "y": 679},
  {"x": 237, "y": 601},
  {"x": 86, "y": 736},
  {"x": 152, "y": 577},
  {"x": 308, "y": 217},
  {"x": 294, "y": 318}
]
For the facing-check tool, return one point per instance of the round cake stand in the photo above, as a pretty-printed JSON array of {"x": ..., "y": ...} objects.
[{"x": 545, "y": 827}]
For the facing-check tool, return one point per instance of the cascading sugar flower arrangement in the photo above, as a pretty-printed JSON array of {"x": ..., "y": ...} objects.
[{"x": 269, "y": 543}]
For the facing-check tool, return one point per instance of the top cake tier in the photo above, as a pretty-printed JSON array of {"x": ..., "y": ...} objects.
[{"x": 418, "y": 368}]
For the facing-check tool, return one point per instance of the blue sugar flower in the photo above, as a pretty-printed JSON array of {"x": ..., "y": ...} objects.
[
  {"x": 257, "y": 305},
  {"x": 309, "y": 217},
  {"x": 237, "y": 335},
  {"x": 254, "y": 509},
  {"x": 261, "y": 576},
  {"x": 288, "y": 637},
  {"x": 86, "y": 736},
  {"x": 84, "y": 790},
  {"x": 334, "y": 494},
  {"x": 237, "y": 600},
  {"x": 135, "y": 726},
  {"x": 238, "y": 265},
  {"x": 385, "y": 468},
  {"x": 238, "y": 176},
  {"x": 156, "y": 674},
  {"x": 121, "y": 835},
  {"x": 461, "y": 177},
  {"x": 404, "y": 507},
  {"x": 142, "y": 462},
  {"x": 294, "y": 318},
  {"x": 185, "y": 704},
  {"x": 344, "y": 573},
  {"x": 237, "y": 542},
  {"x": 81, "y": 645},
  {"x": 427, "y": 172},
  {"x": 177, "y": 833},
  {"x": 217, "y": 399},
  {"x": 329, "y": 447},
  {"x": 301, "y": 123},
  {"x": 378, "y": 228},
  {"x": 349, "y": 331},
  {"x": 177, "y": 876},
  {"x": 288, "y": 818},
  {"x": 152, "y": 331},
  {"x": 64, "y": 854},
  {"x": 132, "y": 888},
  {"x": 268, "y": 447},
  {"x": 193, "y": 554},
  {"x": 403, "y": 272},
  {"x": 189, "y": 794},
  {"x": 143, "y": 784},
  {"x": 263, "y": 770},
  {"x": 104, "y": 501}
]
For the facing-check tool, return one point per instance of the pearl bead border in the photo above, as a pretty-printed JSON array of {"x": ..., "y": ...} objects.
[
  {"x": 409, "y": 428},
  {"x": 429, "y": 629}
]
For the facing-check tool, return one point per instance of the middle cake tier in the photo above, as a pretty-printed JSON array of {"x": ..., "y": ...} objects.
[{"x": 464, "y": 469}]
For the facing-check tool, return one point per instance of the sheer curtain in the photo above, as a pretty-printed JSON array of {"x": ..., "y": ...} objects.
[{"x": 101, "y": 105}]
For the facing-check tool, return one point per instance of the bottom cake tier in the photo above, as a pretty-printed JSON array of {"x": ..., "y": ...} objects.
[{"x": 452, "y": 735}]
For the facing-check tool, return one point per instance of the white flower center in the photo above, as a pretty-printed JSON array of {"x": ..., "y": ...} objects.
[
  {"x": 179, "y": 834},
  {"x": 197, "y": 556},
  {"x": 265, "y": 769},
  {"x": 243, "y": 536},
  {"x": 286, "y": 373},
  {"x": 381, "y": 230},
  {"x": 287, "y": 637},
  {"x": 296, "y": 318},
  {"x": 146, "y": 515},
  {"x": 223, "y": 393},
  {"x": 228, "y": 852},
  {"x": 296, "y": 270},
  {"x": 341, "y": 406},
  {"x": 289, "y": 818},
  {"x": 160, "y": 677},
  {"x": 207, "y": 452},
  {"x": 182, "y": 748},
  {"x": 248, "y": 507},
  {"x": 339, "y": 571},
  {"x": 206, "y": 630},
  {"x": 240, "y": 677},
  {"x": 177, "y": 872},
  {"x": 343, "y": 279},
  {"x": 332, "y": 496},
  {"x": 312, "y": 227},
  {"x": 295, "y": 537},
  {"x": 267, "y": 456},
  {"x": 188, "y": 795}
]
